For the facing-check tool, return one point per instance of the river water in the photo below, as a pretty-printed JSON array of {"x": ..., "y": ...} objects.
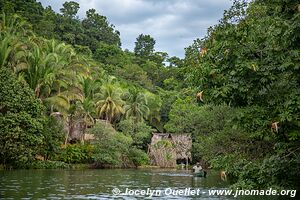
[{"x": 108, "y": 183}]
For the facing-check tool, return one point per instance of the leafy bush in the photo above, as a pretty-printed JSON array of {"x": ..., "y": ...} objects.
[
  {"x": 48, "y": 164},
  {"x": 213, "y": 128},
  {"x": 139, "y": 131},
  {"x": 114, "y": 149},
  {"x": 111, "y": 148},
  {"x": 274, "y": 171},
  {"x": 138, "y": 157},
  {"x": 280, "y": 170},
  {"x": 186, "y": 116},
  {"x": 77, "y": 153},
  {"x": 53, "y": 138},
  {"x": 102, "y": 129},
  {"x": 21, "y": 121}
]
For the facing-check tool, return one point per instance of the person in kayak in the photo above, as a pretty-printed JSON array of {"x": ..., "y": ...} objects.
[{"x": 199, "y": 170}]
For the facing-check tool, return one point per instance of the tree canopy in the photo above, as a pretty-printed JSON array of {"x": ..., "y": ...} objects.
[
  {"x": 144, "y": 46},
  {"x": 236, "y": 91}
]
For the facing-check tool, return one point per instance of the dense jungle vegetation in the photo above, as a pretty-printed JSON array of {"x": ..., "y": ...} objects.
[{"x": 236, "y": 91}]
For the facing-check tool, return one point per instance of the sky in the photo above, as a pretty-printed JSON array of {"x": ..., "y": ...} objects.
[{"x": 174, "y": 24}]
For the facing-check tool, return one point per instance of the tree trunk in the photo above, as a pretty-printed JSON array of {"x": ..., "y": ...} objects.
[{"x": 70, "y": 129}]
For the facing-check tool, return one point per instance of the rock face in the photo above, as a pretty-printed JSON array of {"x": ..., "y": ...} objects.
[{"x": 166, "y": 149}]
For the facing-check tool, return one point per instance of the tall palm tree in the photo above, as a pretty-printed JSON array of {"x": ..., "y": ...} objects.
[
  {"x": 110, "y": 103},
  {"x": 136, "y": 105},
  {"x": 86, "y": 106},
  {"x": 65, "y": 103},
  {"x": 85, "y": 110}
]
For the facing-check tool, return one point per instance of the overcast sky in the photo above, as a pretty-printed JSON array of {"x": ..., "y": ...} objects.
[{"x": 174, "y": 24}]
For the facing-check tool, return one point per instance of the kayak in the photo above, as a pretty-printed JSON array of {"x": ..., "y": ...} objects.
[{"x": 200, "y": 174}]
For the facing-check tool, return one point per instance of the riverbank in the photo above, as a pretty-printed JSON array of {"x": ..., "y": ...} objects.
[{"x": 62, "y": 165}]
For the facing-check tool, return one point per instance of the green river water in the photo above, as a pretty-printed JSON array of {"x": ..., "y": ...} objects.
[{"x": 99, "y": 184}]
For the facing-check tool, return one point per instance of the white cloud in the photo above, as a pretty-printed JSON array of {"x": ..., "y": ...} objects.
[{"x": 174, "y": 24}]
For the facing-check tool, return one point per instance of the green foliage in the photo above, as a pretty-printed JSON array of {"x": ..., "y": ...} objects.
[
  {"x": 170, "y": 84},
  {"x": 48, "y": 164},
  {"x": 21, "y": 121},
  {"x": 97, "y": 28},
  {"x": 102, "y": 129},
  {"x": 276, "y": 171},
  {"x": 53, "y": 138},
  {"x": 250, "y": 61},
  {"x": 136, "y": 105},
  {"x": 70, "y": 9},
  {"x": 109, "y": 55},
  {"x": 91, "y": 31},
  {"x": 116, "y": 149},
  {"x": 144, "y": 46},
  {"x": 111, "y": 148},
  {"x": 77, "y": 153},
  {"x": 136, "y": 75},
  {"x": 280, "y": 170},
  {"x": 167, "y": 98},
  {"x": 85, "y": 50},
  {"x": 139, "y": 131},
  {"x": 70, "y": 84},
  {"x": 255, "y": 120},
  {"x": 154, "y": 117},
  {"x": 155, "y": 71},
  {"x": 109, "y": 103},
  {"x": 182, "y": 116},
  {"x": 213, "y": 128},
  {"x": 31, "y": 10},
  {"x": 187, "y": 116},
  {"x": 163, "y": 144},
  {"x": 258, "y": 68},
  {"x": 138, "y": 157}
]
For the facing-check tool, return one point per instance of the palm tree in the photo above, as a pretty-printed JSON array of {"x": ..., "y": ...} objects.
[
  {"x": 59, "y": 102},
  {"x": 154, "y": 117},
  {"x": 51, "y": 67},
  {"x": 136, "y": 105},
  {"x": 71, "y": 65},
  {"x": 12, "y": 50},
  {"x": 14, "y": 25},
  {"x": 110, "y": 103},
  {"x": 5, "y": 50},
  {"x": 41, "y": 70},
  {"x": 86, "y": 106},
  {"x": 88, "y": 86},
  {"x": 65, "y": 103},
  {"x": 86, "y": 110}
]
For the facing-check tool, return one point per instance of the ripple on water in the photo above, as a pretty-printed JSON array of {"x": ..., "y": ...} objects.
[{"x": 97, "y": 184}]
